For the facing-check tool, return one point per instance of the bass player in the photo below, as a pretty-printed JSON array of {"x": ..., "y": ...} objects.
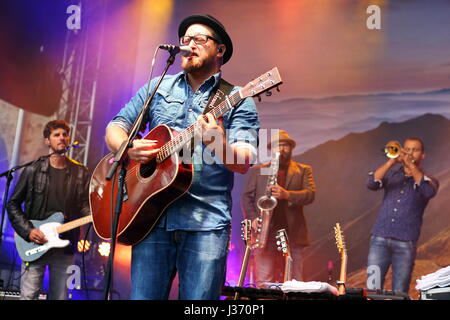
[{"x": 49, "y": 185}]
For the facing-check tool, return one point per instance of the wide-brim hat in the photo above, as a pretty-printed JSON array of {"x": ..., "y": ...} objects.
[
  {"x": 282, "y": 136},
  {"x": 214, "y": 24}
]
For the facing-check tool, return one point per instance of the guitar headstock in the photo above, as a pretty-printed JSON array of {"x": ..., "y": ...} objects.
[
  {"x": 282, "y": 242},
  {"x": 246, "y": 228},
  {"x": 339, "y": 238},
  {"x": 263, "y": 83}
]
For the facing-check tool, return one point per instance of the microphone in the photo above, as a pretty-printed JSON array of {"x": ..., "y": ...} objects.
[
  {"x": 183, "y": 50},
  {"x": 73, "y": 145}
]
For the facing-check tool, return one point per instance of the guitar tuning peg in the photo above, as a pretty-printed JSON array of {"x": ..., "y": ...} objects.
[
  {"x": 259, "y": 98},
  {"x": 268, "y": 93},
  {"x": 278, "y": 88}
]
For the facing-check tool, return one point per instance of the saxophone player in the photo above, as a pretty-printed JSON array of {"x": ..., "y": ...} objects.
[{"x": 294, "y": 188}]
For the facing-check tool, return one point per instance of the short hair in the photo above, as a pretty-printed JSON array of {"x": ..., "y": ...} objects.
[
  {"x": 55, "y": 124},
  {"x": 416, "y": 139}
]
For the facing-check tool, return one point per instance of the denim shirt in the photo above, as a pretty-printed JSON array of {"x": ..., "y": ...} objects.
[
  {"x": 404, "y": 202},
  {"x": 207, "y": 204}
]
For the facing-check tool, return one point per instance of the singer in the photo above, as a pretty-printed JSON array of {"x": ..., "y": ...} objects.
[
  {"x": 49, "y": 185},
  {"x": 192, "y": 236}
]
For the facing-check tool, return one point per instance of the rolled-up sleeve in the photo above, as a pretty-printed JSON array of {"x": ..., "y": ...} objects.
[
  {"x": 243, "y": 126},
  {"x": 427, "y": 187},
  {"x": 128, "y": 114},
  {"x": 373, "y": 184}
]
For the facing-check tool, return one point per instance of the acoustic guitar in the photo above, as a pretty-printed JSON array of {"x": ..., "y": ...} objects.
[{"x": 150, "y": 188}]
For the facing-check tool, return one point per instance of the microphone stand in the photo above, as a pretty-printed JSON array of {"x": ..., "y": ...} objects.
[
  {"x": 120, "y": 159},
  {"x": 9, "y": 177}
]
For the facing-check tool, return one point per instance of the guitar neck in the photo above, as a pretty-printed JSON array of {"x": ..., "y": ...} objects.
[
  {"x": 243, "y": 270},
  {"x": 287, "y": 268},
  {"x": 244, "y": 266},
  {"x": 343, "y": 274},
  {"x": 186, "y": 135},
  {"x": 74, "y": 224}
]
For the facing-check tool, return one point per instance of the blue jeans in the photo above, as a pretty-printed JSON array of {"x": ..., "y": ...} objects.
[
  {"x": 384, "y": 252},
  {"x": 198, "y": 257}
]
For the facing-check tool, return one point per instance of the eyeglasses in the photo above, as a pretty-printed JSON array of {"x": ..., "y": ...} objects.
[{"x": 198, "y": 39}]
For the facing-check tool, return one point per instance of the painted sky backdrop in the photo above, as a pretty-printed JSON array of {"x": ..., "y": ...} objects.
[{"x": 323, "y": 47}]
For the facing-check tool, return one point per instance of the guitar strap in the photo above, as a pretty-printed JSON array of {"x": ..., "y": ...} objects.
[{"x": 218, "y": 94}]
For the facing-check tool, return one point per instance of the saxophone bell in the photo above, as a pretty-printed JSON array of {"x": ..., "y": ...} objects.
[{"x": 266, "y": 203}]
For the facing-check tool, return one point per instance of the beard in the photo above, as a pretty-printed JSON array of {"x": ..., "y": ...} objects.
[
  {"x": 191, "y": 66},
  {"x": 285, "y": 158},
  {"x": 196, "y": 64}
]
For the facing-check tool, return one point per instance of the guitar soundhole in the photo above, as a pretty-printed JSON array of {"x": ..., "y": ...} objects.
[{"x": 146, "y": 170}]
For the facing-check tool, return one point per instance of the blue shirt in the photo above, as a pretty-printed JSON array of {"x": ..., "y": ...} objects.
[
  {"x": 404, "y": 202},
  {"x": 207, "y": 204}
]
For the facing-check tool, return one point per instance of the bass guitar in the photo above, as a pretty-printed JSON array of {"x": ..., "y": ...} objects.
[{"x": 51, "y": 227}]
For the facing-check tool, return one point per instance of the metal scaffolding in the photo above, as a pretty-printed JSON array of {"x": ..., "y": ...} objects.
[{"x": 79, "y": 72}]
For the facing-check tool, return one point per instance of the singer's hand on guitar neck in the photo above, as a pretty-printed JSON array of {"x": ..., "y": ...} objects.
[
  {"x": 211, "y": 130},
  {"x": 236, "y": 159}
]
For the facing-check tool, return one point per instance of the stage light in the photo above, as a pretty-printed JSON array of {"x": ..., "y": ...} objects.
[
  {"x": 104, "y": 248},
  {"x": 83, "y": 246}
]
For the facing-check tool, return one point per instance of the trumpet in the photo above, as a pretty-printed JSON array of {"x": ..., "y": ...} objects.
[{"x": 393, "y": 149}]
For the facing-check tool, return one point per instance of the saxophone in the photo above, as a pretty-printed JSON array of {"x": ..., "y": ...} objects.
[{"x": 266, "y": 204}]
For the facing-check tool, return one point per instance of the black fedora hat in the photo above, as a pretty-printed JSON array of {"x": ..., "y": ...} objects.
[{"x": 214, "y": 24}]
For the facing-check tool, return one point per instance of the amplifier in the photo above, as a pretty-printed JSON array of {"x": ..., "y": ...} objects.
[
  {"x": 435, "y": 294},
  {"x": 15, "y": 295}
]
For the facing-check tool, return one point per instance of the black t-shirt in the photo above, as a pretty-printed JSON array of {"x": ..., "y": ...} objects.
[
  {"x": 56, "y": 190},
  {"x": 56, "y": 203}
]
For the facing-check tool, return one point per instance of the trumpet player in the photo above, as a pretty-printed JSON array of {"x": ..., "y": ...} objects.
[
  {"x": 407, "y": 190},
  {"x": 294, "y": 189}
]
